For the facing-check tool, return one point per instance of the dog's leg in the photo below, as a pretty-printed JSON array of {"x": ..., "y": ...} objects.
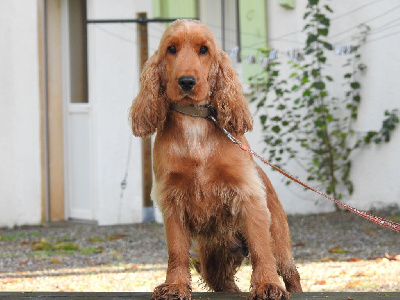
[
  {"x": 218, "y": 266},
  {"x": 177, "y": 283},
  {"x": 265, "y": 282},
  {"x": 283, "y": 255},
  {"x": 281, "y": 245},
  {"x": 290, "y": 275}
]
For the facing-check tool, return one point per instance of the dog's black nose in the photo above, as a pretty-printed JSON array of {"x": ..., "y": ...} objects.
[{"x": 187, "y": 83}]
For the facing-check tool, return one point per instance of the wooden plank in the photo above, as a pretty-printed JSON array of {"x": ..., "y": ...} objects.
[
  {"x": 195, "y": 296},
  {"x": 147, "y": 175}
]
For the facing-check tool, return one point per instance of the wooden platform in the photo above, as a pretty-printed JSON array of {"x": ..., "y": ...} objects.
[{"x": 196, "y": 296}]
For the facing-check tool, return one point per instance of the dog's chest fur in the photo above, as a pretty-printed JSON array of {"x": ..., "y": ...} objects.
[{"x": 198, "y": 181}]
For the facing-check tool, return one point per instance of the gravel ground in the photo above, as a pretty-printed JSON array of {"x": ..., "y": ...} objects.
[{"x": 334, "y": 252}]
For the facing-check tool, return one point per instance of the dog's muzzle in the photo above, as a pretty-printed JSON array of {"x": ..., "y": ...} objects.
[{"x": 187, "y": 83}]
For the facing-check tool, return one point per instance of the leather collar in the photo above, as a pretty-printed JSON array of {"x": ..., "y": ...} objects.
[{"x": 201, "y": 111}]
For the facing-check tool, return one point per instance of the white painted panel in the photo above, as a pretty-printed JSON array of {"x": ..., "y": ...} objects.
[
  {"x": 79, "y": 166},
  {"x": 20, "y": 148}
]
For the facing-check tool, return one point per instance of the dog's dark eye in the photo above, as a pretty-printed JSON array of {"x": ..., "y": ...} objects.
[
  {"x": 203, "y": 50},
  {"x": 171, "y": 50}
]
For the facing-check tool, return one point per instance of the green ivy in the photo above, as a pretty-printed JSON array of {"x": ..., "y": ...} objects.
[{"x": 299, "y": 115}]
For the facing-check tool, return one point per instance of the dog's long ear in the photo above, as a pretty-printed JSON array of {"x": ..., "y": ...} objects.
[
  {"x": 149, "y": 108},
  {"x": 227, "y": 97}
]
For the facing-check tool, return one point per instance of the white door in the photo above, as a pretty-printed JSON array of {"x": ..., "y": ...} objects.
[{"x": 77, "y": 113}]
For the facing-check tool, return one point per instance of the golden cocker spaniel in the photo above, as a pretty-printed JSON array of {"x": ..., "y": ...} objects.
[{"x": 207, "y": 188}]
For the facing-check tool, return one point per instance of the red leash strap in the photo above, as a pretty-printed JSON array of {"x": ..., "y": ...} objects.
[{"x": 378, "y": 220}]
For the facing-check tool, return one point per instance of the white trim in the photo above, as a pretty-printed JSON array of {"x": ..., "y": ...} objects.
[
  {"x": 66, "y": 96},
  {"x": 79, "y": 108}
]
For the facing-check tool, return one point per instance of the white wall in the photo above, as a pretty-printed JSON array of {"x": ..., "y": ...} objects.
[
  {"x": 20, "y": 169},
  {"x": 375, "y": 169},
  {"x": 113, "y": 84},
  {"x": 113, "y": 76}
]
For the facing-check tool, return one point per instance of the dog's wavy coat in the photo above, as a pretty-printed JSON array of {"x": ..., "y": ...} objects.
[{"x": 207, "y": 188}]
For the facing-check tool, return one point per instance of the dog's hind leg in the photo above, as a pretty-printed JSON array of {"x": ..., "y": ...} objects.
[
  {"x": 281, "y": 244},
  {"x": 218, "y": 266}
]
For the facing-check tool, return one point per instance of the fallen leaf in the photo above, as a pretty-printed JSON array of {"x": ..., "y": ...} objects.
[
  {"x": 394, "y": 257},
  {"x": 320, "y": 282},
  {"x": 8, "y": 280},
  {"x": 337, "y": 250},
  {"x": 353, "y": 259},
  {"x": 55, "y": 261},
  {"x": 116, "y": 236},
  {"x": 299, "y": 245},
  {"x": 132, "y": 267},
  {"x": 354, "y": 283}
]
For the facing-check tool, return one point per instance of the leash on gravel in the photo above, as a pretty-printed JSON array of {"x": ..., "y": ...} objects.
[{"x": 209, "y": 113}]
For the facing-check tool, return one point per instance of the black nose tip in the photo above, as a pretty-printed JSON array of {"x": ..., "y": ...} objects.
[{"x": 187, "y": 83}]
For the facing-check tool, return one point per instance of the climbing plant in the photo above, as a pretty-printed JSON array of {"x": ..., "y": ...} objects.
[{"x": 303, "y": 121}]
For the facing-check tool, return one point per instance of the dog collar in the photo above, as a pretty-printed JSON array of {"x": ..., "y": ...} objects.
[{"x": 201, "y": 111}]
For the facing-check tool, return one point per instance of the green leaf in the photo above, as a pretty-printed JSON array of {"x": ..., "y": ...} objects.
[
  {"x": 323, "y": 31},
  {"x": 355, "y": 85},
  {"x": 327, "y": 45},
  {"x": 316, "y": 162},
  {"x": 319, "y": 123},
  {"x": 311, "y": 38},
  {"x": 263, "y": 119},
  {"x": 315, "y": 72},
  {"x": 276, "y": 119},
  {"x": 357, "y": 98},
  {"x": 319, "y": 85},
  {"x": 305, "y": 80},
  {"x": 325, "y": 21},
  {"x": 276, "y": 129},
  {"x": 309, "y": 50},
  {"x": 328, "y": 8}
]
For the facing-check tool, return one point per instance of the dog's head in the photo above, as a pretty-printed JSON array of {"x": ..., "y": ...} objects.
[{"x": 189, "y": 68}]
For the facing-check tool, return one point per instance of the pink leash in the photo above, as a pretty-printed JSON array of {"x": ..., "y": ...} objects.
[{"x": 378, "y": 220}]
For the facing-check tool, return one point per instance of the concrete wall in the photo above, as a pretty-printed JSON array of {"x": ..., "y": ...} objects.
[
  {"x": 20, "y": 167},
  {"x": 375, "y": 168}
]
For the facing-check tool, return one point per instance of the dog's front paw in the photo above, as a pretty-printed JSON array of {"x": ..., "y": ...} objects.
[
  {"x": 172, "y": 291},
  {"x": 268, "y": 291}
]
